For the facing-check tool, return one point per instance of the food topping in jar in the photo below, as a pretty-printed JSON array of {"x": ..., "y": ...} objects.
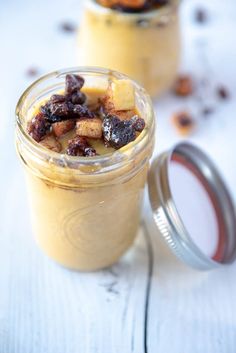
[
  {"x": 72, "y": 121},
  {"x": 133, "y": 5},
  {"x": 79, "y": 146}
]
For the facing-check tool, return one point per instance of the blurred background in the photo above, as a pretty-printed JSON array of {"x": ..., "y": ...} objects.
[{"x": 39, "y": 37}]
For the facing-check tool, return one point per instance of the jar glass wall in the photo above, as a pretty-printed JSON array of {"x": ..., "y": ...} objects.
[
  {"x": 85, "y": 211},
  {"x": 145, "y": 46}
]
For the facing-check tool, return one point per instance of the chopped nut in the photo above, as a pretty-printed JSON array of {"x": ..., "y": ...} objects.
[
  {"x": 183, "y": 123},
  {"x": 89, "y": 128},
  {"x": 63, "y": 127},
  {"x": 51, "y": 143},
  {"x": 183, "y": 86}
]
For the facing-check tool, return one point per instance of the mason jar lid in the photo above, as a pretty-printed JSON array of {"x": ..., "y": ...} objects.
[{"x": 192, "y": 207}]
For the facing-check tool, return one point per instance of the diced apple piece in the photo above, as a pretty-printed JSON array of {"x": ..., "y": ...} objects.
[
  {"x": 122, "y": 94},
  {"x": 51, "y": 143},
  {"x": 89, "y": 128},
  {"x": 62, "y": 127}
]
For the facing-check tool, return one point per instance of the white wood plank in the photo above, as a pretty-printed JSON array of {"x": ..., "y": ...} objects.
[{"x": 44, "y": 308}]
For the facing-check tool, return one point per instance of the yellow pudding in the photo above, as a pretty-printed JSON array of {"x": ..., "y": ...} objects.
[
  {"x": 145, "y": 46},
  {"x": 85, "y": 210}
]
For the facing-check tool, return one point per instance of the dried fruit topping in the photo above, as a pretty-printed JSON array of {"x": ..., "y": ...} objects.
[
  {"x": 78, "y": 98},
  {"x": 38, "y": 127},
  {"x": 62, "y": 127},
  {"x": 138, "y": 123},
  {"x": 91, "y": 128},
  {"x": 223, "y": 92},
  {"x": 51, "y": 143},
  {"x": 118, "y": 133},
  {"x": 183, "y": 122},
  {"x": 74, "y": 83},
  {"x": 57, "y": 98},
  {"x": 78, "y": 146},
  {"x": 111, "y": 119},
  {"x": 56, "y": 112},
  {"x": 132, "y": 5},
  {"x": 81, "y": 111},
  {"x": 183, "y": 86},
  {"x": 61, "y": 110}
]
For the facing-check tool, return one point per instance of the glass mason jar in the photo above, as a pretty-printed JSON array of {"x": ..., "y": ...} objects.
[
  {"x": 144, "y": 46},
  {"x": 85, "y": 211}
]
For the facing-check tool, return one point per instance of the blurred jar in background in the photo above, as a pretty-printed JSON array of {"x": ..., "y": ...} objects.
[{"x": 144, "y": 45}]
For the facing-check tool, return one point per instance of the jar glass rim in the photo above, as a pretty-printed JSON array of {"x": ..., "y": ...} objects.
[{"x": 118, "y": 156}]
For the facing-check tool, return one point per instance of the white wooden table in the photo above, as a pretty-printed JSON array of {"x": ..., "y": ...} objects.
[{"x": 149, "y": 301}]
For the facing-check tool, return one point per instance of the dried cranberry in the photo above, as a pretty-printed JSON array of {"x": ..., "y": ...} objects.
[
  {"x": 138, "y": 123},
  {"x": 57, "y": 98},
  {"x": 38, "y": 127},
  {"x": 77, "y": 98},
  {"x": 116, "y": 132},
  {"x": 56, "y": 112},
  {"x": 79, "y": 146},
  {"x": 73, "y": 83},
  {"x": 60, "y": 109},
  {"x": 82, "y": 112}
]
